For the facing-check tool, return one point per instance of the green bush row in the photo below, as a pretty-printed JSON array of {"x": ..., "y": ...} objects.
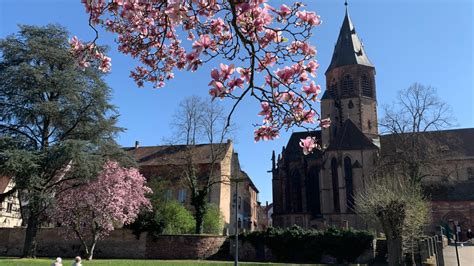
[{"x": 296, "y": 244}]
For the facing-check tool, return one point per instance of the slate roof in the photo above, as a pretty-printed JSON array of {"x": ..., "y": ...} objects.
[
  {"x": 349, "y": 50},
  {"x": 349, "y": 137},
  {"x": 452, "y": 142},
  {"x": 177, "y": 154},
  {"x": 326, "y": 95}
]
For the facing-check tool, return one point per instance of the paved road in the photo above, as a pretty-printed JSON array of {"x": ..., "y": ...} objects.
[{"x": 466, "y": 256}]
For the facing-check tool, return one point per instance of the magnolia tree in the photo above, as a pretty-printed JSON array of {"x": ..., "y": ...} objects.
[
  {"x": 91, "y": 211},
  {"x": 271, "y": 44}
]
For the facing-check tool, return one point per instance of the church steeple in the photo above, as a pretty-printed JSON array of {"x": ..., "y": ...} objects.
[
  {"x": 350, "y": 86},
  {"x": 349, "y": 50}
]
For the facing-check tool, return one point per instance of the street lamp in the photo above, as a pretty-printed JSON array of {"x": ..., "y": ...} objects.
[
  {"x": 455, "y": 230},
  {"x": 236, "y": 255}
]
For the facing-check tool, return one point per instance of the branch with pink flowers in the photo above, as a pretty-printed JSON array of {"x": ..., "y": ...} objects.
[{"x": 276, "y": 59}]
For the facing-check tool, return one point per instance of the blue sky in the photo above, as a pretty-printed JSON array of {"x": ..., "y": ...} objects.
[{"x": 425, "y": 41}]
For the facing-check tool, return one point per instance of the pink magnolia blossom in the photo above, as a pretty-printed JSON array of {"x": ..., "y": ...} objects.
[
  {"x": 310, "y": 17},
  {"x": 261, "y": 39},
  {"x": 312, "y": 68},
  {"x": 325, "y": 123},
  {"x": 91, "y": 210},
  {"x": 266, "y": 133},
  {"x": 266, "y": 111},
  {"x": 284, "y": 11},
  {"x": 312, "y": 90},
  {"x": 308, "y": 144}
]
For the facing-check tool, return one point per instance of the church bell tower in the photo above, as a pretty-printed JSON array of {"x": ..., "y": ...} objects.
[{"x": 350, "y": 86}]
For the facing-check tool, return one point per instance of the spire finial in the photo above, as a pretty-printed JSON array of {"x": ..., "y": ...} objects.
[{"x": 345, "y": 3}]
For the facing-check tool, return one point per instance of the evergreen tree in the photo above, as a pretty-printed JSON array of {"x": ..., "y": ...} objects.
[{"x": 56, "y": 122}]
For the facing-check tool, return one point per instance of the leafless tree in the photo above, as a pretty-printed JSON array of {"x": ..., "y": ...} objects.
[
  {"x": 186, "y": 121},
  {"x": 202, "y": 121},
  {"x": 415, "y": 150}
]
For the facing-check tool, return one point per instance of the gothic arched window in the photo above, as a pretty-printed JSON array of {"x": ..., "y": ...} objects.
[
  {"x": 312, "y": 191},
  {"x": 366, "y": 87},
  {"x": 347, "y": 85},
  {"x": 335, "y": 185},
  {"x": 349, "y": 182},
  {"x": 296, "y": 196}
]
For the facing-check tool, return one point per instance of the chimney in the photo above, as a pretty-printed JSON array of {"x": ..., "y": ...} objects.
[
  {"x": 137, "y": 144},
  {"x": 266, "y": 203}
]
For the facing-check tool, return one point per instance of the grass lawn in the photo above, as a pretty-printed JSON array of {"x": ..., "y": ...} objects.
[{"x": 99, "y": 262}]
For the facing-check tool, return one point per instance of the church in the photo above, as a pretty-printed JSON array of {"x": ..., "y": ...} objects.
[{"x": 317, "y": 190}]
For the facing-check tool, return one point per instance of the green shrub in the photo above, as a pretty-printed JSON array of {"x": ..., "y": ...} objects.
[
  {"x": 213, "y": 220},
  {"x": 299, "y": 245},
  {"x": 175, "y": 218}
]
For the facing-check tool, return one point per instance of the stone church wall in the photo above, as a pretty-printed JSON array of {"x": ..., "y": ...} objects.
[{"x": 119, "y": 244}]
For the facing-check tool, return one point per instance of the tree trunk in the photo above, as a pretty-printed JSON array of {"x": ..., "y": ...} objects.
[
  {"x": 199, "y": 203},
  {"x": 91, "y": 253},
  {"x": 394, "y": 247},
  {"x": 83, "y": 241},
  {"x": 29, "y": 247},
  {"x": 199, "y": 222}
]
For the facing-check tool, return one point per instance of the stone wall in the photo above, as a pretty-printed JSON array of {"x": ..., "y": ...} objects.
[
  {"x": 120, "y": 243},
  {"x": 460, "y": 211}
]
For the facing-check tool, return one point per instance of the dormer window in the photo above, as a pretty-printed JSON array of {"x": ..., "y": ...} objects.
[
  {"x": 366, "y": 86},
  {"x": 347, "y": 85}
]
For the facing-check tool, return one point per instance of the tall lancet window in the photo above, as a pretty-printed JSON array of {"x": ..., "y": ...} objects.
[
  {"x": 347, "y": 85},
  {"x": 366, "y": 87},
  {"x": 312, "y": 191},
  {"x": 296, "y": 196},
  {"x": 349, "y": 183},
  {"x": 335, "y": 185}
]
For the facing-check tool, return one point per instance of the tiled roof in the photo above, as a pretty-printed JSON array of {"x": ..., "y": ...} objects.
[
  {"x": 349, "y": 137},
  {"x": 4, "y": 181},
  {"x": 453, "y": 142},
  {"x": 178, "y": 154}
]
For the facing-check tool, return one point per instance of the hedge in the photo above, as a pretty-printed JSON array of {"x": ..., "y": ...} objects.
[{"x": 308, "y": 245}]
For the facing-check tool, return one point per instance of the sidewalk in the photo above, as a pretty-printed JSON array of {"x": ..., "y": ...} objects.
[{"x": 466, "y": 255}]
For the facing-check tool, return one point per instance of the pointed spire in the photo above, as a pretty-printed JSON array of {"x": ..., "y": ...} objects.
[
  {"x": 349, "y": 49},
  {"x": 273, "y": 160}
]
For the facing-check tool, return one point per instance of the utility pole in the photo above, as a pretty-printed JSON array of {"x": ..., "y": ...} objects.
[
  {"x": 455, "y": 230},
  {"x": 236, "y": 255}
]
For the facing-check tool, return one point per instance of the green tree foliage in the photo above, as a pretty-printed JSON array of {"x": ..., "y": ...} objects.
[
  {"x": 56, "y": 122},
  {"x": 213, "y": 221},
  {"x": 176, "y": 219},
  {"x": 149, "y": 220}
]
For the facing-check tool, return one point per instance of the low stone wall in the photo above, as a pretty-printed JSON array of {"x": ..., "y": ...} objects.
[{"x": 120, "y": 243}]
